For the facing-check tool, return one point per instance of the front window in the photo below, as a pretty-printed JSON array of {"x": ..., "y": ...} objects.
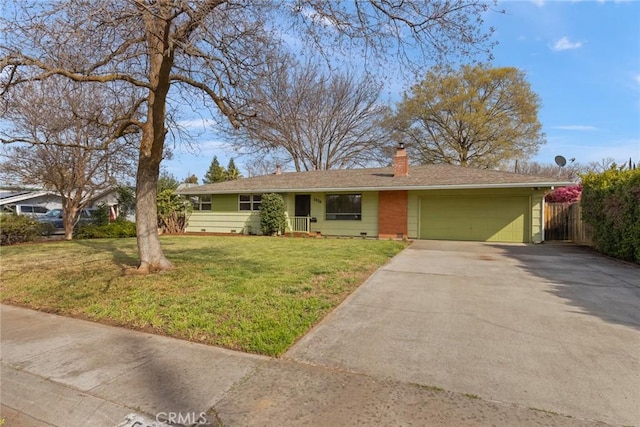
[
  {"x": 249, "y": 202},
  {"x": 201, "y": 203},
  {"x": 344, "y": 207}
]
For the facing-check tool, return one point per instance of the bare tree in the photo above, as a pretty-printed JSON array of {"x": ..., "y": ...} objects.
[
  {"x": 66, "y": 143},
  {"x": 263, "y": 165},
  {"x": 319, "y": 120},
  {"x": 603, "y": 165},
  {"x": 569, "y": 172},
  {"x": 210, "y": 50}
]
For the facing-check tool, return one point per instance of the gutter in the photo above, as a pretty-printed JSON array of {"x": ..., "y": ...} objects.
[{"x": 550, "y": 185}]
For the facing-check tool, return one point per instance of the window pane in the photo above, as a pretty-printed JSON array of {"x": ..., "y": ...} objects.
[
  {"x": 205, "y": 198},
  {"x": 344, "y": 207},
  {"x": 245, "y": 206},
  {"x": 245, "y": 197}
]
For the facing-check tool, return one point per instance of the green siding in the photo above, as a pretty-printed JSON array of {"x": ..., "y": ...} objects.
[
  {"x": 225, "y": 217},
  {"x": 228, "y": 222},
  {"x": 368, "y": 224},
  {"x": 537, "y": 218}
]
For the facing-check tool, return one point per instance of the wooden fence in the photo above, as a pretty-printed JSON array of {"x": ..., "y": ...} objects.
[{"x": 563, "y": 222}]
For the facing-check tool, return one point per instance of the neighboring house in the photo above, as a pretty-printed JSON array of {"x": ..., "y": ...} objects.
[
  {"x": 442, "y": 202},
  {"x": 47, "y": 199},
  {"x": 51, "y": 200}
]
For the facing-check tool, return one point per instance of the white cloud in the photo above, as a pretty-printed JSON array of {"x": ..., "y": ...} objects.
[
  {"x": 566, "y": 44},
  {"x": 538, "y": 3},
  {"x": 196, "y": 124},
  {"x": 638, "y": 78},
  {"x": 582, "y": 128}
]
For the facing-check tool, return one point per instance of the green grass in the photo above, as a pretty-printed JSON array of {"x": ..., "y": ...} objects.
[{"x": 255, "y": 294}]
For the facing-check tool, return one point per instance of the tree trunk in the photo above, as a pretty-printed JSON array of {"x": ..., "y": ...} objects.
[
  {"x": 68, "y": 220},
  {"x": 152, "y": 146},
  {"x": 151, "y": 256},
  {"x": 68, "y": 215}
]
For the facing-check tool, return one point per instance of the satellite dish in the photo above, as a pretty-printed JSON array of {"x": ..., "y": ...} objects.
[{"x": 560, "y": 161}]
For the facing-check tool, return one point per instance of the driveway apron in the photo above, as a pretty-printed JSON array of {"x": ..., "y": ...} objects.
[{"x": 550, "y": 327}]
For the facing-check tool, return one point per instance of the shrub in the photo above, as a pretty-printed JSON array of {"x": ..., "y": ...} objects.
[
  {"x": 18, "y": 229},
  {"x": 126, "y": 197},
  {"x": 118, "y": 229},
  {"x": 173, "y": 211},
  {"x": 100, "y": 215},
  {"x": 272, "y": 214},
  {"x": 611, "y": 205},
  {"x": 564, "y": 195}
]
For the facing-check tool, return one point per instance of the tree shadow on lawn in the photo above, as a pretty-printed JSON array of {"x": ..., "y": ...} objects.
[
  {"x": 121, "y": 258},
  {"x": 596, "y": 284}
]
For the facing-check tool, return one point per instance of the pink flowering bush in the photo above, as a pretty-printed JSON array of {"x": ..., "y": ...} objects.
[{"x": 570, "y": 194}]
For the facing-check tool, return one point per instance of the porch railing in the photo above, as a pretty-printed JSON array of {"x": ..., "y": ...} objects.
[{"x": 301, "y": 224}]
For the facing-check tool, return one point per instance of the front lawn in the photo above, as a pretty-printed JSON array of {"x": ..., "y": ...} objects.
[{"x": 255, "y": 294}]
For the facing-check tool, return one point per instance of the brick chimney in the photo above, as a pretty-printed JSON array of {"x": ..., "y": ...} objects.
[
  {"x": 278, "y": 170},
  {"x": 401, "y": 161}
]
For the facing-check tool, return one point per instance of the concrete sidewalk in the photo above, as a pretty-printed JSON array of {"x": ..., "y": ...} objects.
[{"x": 66, "y": 372}]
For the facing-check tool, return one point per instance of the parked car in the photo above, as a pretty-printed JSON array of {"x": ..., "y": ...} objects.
[
  {"x": 54, "y": 217},
  {"x": 29, "y": 210}
]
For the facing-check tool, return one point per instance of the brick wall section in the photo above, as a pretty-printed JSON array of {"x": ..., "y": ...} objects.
[
  {"x": 401, "y": 162},
  {"x": 392, "y": 214}
]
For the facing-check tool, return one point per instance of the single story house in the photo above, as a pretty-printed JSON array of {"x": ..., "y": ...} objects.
[
  {"x": 442, "y": 202},
  {"x": 43, "y": 198},
  {"x": 51, "y": 200}
]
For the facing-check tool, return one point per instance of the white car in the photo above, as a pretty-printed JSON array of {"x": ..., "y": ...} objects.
[{"x": 29, "y": 210}]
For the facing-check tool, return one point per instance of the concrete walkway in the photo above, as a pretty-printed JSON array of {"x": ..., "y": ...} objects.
[
  {"x": 475, "y": 320},
  {"x": 65, "y": 372}
]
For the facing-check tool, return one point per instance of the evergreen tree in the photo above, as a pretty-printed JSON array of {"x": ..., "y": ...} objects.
[
  {"x": 216, "y": 173},
  {"x": 232, "y": 171},
  {"x": 166, "y": 180}
]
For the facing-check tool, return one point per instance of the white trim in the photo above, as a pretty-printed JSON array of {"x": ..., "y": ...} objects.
[
  {"x": 26, "y": 196},
  {"x": 550, "y": 185}
]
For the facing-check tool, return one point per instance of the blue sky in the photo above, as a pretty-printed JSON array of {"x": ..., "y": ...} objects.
[{"x": 581, "y": 57}]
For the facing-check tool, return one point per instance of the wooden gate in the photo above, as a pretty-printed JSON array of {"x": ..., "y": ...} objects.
[
  {"x": 556, "y": 221},
  {"x": 563, "y": 221}
]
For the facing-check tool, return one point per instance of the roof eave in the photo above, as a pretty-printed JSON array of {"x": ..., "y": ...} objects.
[{"x": 193, "y": 191}]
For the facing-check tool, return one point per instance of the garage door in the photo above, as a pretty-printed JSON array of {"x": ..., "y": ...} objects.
[{"x": 486, "y": 219}]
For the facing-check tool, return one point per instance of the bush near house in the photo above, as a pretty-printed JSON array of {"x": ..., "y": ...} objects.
[
  {"x": 272, "y": 214},
  {"x": 611, "y": 204},
  {"x": 19, "y": 229},
  {"x": 173, "y": 211},
  {"x": 117, "y": 229},
  {"x": 569, "y": 194}
]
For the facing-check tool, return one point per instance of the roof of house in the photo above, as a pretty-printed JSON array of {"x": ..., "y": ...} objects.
[
  {"x": 428, "y": 177},
  {"x": 21, "y": 196}
]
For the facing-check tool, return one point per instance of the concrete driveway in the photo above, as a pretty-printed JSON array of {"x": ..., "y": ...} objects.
[{"x": 550, "y": 327}]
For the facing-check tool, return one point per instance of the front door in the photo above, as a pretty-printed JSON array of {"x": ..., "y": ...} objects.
[
  {"x": 303, "y": 205},
  {"x": 303, "y": 212}
]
